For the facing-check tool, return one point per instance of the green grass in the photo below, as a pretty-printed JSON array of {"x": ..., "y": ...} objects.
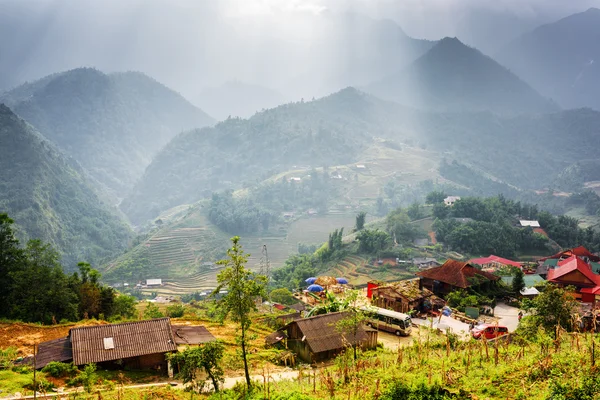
[{"x": 12, "y": 382}]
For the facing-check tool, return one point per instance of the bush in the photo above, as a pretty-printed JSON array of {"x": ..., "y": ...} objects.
[
  {"x": 175, "y": 310},
  {"x": 7, "y": 357},
  {"x": 58, "y": 369},
  {"x": 401, "y": 391}
]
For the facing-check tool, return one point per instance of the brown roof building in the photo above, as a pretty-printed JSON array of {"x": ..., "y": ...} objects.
[
  {"x": 139, "y": 345},
  {"x": 454, "y": 275},
  {"x": 401, "y": 296},
  {"x": 317, "y": 338}
]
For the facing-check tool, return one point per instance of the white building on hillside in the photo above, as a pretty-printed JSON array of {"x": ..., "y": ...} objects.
[{"x": 450, "y": 200}]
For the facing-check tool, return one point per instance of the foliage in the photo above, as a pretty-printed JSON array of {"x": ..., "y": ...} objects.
[
  {"x": 399, "y": 225},
  {"x": 88, "y": 377},
  {"x": 175, "y": 310},
  {"x": 35, "y": 288},
  {"x": 59, "y": 369},
  {"x": 460, "y": 299},
  {"x": 373, "y": 241},
  {"x": 350, "y": 325},
  {"x": 518, "y": 282},
  {"x": 282, "y": 296},
  {"x": 295, "y": 270},
  {"x": 554, "y": 307},
  {"x": 124, "y": 306},
  {"x": 50, "y": 198},
  {"x": 435, "y": 197},
  {"x": 152, "y": 311},
  {"x": 7, "y": 356},
  {"x": 360, "y": 220},
  {"x": 415, "y": 211},
  {"x": 401, "y": 391},
  {"x": 243, "y": 287},
  {"x": 207, "y": 358},
  {"x": 237, "y": 215}
]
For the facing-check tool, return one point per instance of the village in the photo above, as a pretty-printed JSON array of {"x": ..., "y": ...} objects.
[{"x": 307, "y": 332}]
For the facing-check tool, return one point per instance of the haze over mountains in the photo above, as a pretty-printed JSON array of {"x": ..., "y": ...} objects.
[
  {"x": 454, "y": 77},
  {"x": 319, "y": 89},
  {"x": 112, "y": 124},
  {"x": 561, "y": 59}
]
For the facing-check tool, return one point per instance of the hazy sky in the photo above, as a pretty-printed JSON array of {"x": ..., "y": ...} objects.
[{"x": 190, "y": 44}]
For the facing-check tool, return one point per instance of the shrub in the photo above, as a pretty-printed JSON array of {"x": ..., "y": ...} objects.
[
  {"x": 175, "y": 310},
  {"x": 58, "y": 369}
]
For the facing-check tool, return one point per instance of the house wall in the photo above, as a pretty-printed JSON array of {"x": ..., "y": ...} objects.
[{"x": 156, "y": 361}]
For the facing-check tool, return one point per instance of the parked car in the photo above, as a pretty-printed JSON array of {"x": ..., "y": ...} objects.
[{"x": 488, "y": 331}]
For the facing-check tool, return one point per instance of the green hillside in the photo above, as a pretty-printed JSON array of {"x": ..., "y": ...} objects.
[
  {"x": 49, "y": 197},
  {"x": 351, "y": 128},
  {"x": 237, "y": 153},
  {"x": 111, "y": 124}
]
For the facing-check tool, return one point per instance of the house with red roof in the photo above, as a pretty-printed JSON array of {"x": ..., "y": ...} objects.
[
  {"x": 454, "y": 275},
  {"x": 492, "y": 263},
  {"x": 575, "y": 271}
]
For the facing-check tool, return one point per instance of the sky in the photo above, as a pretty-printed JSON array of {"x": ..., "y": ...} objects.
[{"x": 280, "y": 44}]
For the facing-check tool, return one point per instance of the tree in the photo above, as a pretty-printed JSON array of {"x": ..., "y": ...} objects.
[
  {"x": 152, "y": 311},
  {"x": 243, "y": 287},
  {"x": 435, "y": 197},
  {"x": 283, "y": 296},
  {"x": 355, "y": 318},
  {"x": 554, "y": 306},
  {"x": 518, "y": 282},
  {"x": 175, "y": 310},
  {"x": 372, "y": 241},
  {"x": 414, "y": 212},
  {"x": 207, "y": 357},
  {"x": 360, "y": 220},
  {"x": 124, "y": 306},
  {"x": 11, "y": 256},
  {"x": 440, "y": 210},
  {"x": 398, "y": 223}
]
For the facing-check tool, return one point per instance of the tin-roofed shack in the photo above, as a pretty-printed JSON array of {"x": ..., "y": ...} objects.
[
  {"x": 138, "y": 345},
  {"x": 317, "y": 339}
]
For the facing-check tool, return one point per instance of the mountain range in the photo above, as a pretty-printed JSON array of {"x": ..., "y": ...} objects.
[
  {"x": 454, "y": 77},
  {"x": 49, "y": 197},
  {"x": 111, "y": 124},
  {"x": 561, "y": 60}
]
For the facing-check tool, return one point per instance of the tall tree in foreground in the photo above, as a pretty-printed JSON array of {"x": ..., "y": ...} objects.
[
  {"x": 243, "y": 287},
  {"x": 355, "y": 318}
]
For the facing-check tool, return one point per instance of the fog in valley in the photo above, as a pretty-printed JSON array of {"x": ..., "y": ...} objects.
[{"x": 146, "y": 133}]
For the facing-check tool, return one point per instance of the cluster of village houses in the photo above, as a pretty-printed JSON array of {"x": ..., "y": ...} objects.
[{"x": 144, "y": 344}]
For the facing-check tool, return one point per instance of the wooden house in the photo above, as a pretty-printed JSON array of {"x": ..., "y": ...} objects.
[
  {"x": 401, "y": 296},
  {"x": 317, "y": 338},
  {"x": 454, "y": 275},
  {"x": 137, "y": 345}
]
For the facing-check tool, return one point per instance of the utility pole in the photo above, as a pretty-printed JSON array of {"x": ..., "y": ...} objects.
[{"x": 34, "y": 369}]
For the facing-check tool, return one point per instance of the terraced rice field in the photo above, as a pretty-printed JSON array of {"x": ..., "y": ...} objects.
[{"x": 178, "y": 248}]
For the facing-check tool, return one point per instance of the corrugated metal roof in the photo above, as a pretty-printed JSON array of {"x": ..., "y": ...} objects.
[
  {"x": 52, "y": 350},
  {"x": 321, "y": 334},
  {"x": 131, "y": 339},
  {"x": 189, "y": 334}
]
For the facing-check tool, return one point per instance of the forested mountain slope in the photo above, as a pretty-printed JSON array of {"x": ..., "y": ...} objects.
[
  {"x": 112, "y": 124},
  {"x": 454, "y": 77},
  {"x": 49, "y": 198},
  {"x": 561, "y": 60},
  {"x": 242, "y": 152},
  {"x": 526, "y": 151}
]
